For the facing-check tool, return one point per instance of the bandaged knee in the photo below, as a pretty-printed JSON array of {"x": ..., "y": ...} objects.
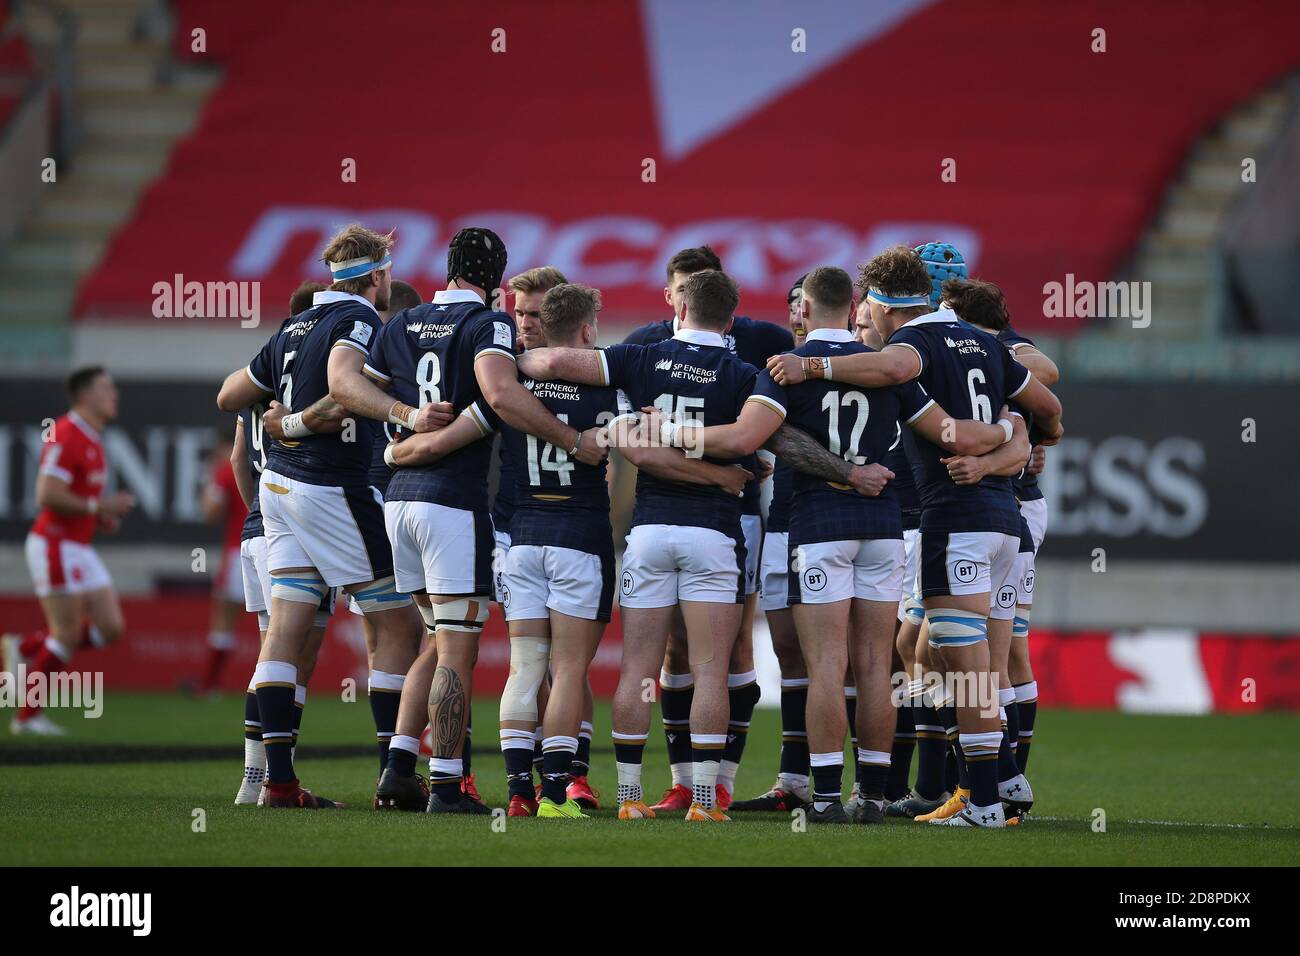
[
  {"x": 301, "y": 587},
  {"x": 913, "y": 610},
  {"x": 462, "y": 614},
  {"x": 381, "y": 595},
  {"x": 951, "y": 627},
  {"x": 529, "y": 657},
  {"x": 429, "y": 613},
  {"x": 1020, "y": 623}
]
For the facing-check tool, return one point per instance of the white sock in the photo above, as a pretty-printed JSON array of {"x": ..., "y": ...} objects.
[
  {"x": 254, "y": 760},
  {"x": 629, "y": 782},
  {"x": 704, "y": 782},
  {"x": 681, "y": 774},
  {"x": 727, "y": 775}
]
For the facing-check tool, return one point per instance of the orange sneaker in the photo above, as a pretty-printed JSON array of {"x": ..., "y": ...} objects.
[
  {"x": 956, "y": 802},
  {"x": 580, "y": 792},
  {"x": 699, "y": 813},
  {"x": 635, "y": 810},
  {"x": 467, "y": 787},
  {"x": 723, "y": 796},
  {"x": 676, "y": 797},
  {"x": 521, "y": 807}
]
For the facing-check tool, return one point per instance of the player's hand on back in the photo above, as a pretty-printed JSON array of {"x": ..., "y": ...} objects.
[
  {"x": 765, "y": 468},
  {"x": 786, "y": 369},
  {"x": 870, "y": 480},
  {"x": 965, "y": 469},
  {"x": 732, "y": 479},
  {"x": 592, "y": 446},
  {"x": 272, "y": 419},
  {"x": 434, "y": 415},
  {"x": 1037, "y": 460},
  {"x": 1050, "y": 436}
]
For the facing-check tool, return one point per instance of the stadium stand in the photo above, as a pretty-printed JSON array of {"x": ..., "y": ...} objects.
[
  {"x": 116, "y": 105},
  {"x": 1050, "y": 181}
]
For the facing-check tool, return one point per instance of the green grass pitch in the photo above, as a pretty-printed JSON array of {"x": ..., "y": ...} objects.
[{"x": 1175, "y": 791}]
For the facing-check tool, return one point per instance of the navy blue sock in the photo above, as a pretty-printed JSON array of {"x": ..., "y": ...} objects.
[
  {"x": 555, "y": 774},
  {"x": 383, "y": 708},
  {"x": 932, "y": 752},
  {"x": 275, "y": 704},
  {"x": 794, "y": 730},
  {"x": 675, "y": 703},
  {"x": 743, "y": 700},
  {"x": 900, "y": 758}
]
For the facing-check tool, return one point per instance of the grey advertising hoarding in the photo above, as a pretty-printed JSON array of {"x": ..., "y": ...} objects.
[{"x": 1147, "y": 472}]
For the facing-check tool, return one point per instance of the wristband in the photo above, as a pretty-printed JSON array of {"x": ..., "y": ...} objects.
[
  {"x": 408, "y": 422},
  {"x": 815, "y": 366},
  {"x": 388, "y": 457},
  {"x": 1007, "y": 429},
  {"x": 294, "y": 427},
  {"x": 92, "y": 506},
  {"x": 577, "y": 443}
]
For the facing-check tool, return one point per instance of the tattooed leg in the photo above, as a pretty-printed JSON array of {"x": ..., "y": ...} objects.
[
  {"x": 448, "y": 710},
  {"x": 450, "y": 693}
]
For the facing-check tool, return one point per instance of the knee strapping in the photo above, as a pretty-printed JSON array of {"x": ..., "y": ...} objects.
[
  {"x": 381, "y": 595},
  {"x": 301, "y": 587},
  {"x": 462, "y": 614},
  {"x": 528, "y": 659},
  {"x": 951, "y": 627},
  {"x": 1020, "y": 623},
  {"x": 913, "y": 610}
]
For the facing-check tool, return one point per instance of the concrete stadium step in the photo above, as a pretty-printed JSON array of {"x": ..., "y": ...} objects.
[
  {"x": 69, "y": 256},
  {"x": 167, "y": 123}
]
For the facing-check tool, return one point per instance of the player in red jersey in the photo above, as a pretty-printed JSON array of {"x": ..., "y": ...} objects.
[
  {"x": 222, "y": 503},
  {"x": 71, "y": 581}
]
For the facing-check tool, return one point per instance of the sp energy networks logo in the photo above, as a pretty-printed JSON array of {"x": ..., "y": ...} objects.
[{"x": 77, "y": 909}]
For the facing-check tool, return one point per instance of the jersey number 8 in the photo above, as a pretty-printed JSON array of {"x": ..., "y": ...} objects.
[{"x": 428, "y": 376}]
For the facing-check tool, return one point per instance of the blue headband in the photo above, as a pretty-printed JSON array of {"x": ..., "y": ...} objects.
[
  {"x": 898, "y": 301},
  {"x": 354, "y": 268}
]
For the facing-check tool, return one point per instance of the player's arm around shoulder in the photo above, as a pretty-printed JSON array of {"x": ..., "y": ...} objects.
[
  {"x": 581, "y": 366},
  {"x": 1038, "y": 362},
  {"x": 240, "y": 390},
  {"x": 893, "y": 365}
]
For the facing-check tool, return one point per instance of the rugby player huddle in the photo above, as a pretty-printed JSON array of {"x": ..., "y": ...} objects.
[{"x": 895, "y": 543}]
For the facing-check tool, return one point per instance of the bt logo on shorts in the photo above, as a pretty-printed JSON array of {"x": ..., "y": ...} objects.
[
  {"x": 505, "y": 594},
  {"x": 814, "y": 579},
  {"x": 1006, "y": 596},
  {"x": 964, "y": 571},
  {"x": 627, "y": 582},
  {"x": 1029, "y": 581}
]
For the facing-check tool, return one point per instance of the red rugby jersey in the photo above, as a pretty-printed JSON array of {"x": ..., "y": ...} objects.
[{"x": 76, "y": 455}]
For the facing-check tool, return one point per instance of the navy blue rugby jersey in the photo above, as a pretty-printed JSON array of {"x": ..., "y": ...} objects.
[
  {"x": 971, "y": 375},
  {"x": 293, "y": 365},
  {"x": 503, "y": 504},
  {"x": 903, "y": 483},
  {"x": 255, "y": 452},
  {"x": 560, "y": 501},
  {"x": 778, "y": 510},
  {"x": 427, "y": 354},
  {"x": 1024, "y": 484},
  {"x": 857, "y": 424},
  {"x": 689, "y": 377},
  {"x": 752, "y": 341}
]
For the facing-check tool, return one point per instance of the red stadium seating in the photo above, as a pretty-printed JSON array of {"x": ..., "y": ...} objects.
[{"x": 1062, "y": 154}]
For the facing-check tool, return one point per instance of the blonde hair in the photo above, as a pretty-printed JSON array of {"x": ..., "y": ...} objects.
[
  {"x": 356, "y": 242},
  {"x": 541, "y": 279}
]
